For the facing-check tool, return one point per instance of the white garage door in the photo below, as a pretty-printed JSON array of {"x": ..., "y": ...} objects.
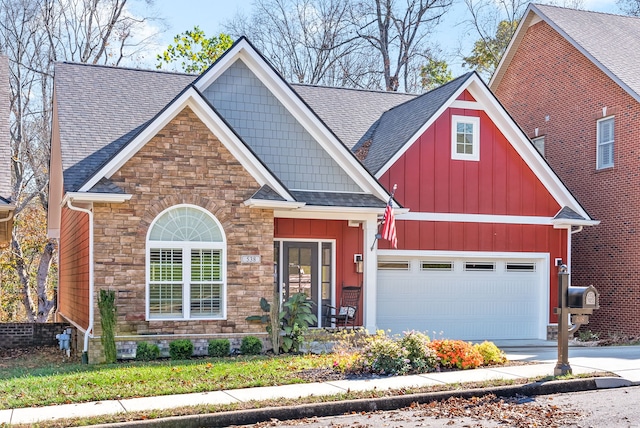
[{"x": 469, "y": 299}]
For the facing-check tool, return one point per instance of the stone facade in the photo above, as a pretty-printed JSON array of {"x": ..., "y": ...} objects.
[
  {"x": 552, "y": 87},
  {"x": 183, "y": 164}
]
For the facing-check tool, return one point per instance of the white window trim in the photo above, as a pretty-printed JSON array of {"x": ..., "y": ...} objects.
[
  {"x": 186, "y": 247},
  {"x": 475, "y": 121},
  {"x": 598, "y": 165}
]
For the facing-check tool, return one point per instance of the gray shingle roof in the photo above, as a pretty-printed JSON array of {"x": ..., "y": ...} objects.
[
  {"x": 613, "y": 41},
  {"x": 96, "y": 121},
  {"x": 106, "y": 186},
  {"x": 5, "y": 149},
  {"x": 567, "y": 213},
  {"x": 330, "y": 199},
  {"x": 397, "y": 125},
  {"x": 349, "y": 112},
  {"x": 268, "y": 194}
]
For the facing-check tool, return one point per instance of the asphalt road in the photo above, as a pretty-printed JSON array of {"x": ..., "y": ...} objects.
[{"x": 616, "y": 408}]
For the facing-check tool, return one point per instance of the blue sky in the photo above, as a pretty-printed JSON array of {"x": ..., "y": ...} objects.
[{"x": 451, "y": 35}]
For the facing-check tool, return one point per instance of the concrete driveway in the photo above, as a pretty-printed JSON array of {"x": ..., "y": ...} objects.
[{"x": 624, "y": 361}]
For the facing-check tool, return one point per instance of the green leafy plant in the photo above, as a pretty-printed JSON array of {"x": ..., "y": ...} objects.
[
  {"x": 251, "y": 345},
  {"x": 219, "y": 348},
  {"x": 295, "y": 319},
  {"x": 272, "y": 319},
  {"x": 146, "y": 351},
  {"x": 491, "y": 354},
  {"x": 588, "y": 336},
  {"x": 421, "y": 357},
  {"x": 107, "y": 307},
  {"x": 384, "y": 355},
  {"x": 456, "y": 354},
  {"x": 181, "y": 349}
]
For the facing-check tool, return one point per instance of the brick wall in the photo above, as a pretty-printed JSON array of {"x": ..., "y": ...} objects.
[
  {"x": 183, "y": 164},
  {"x": 27, "y": 335},
  {"x": 551, "y": 86}
]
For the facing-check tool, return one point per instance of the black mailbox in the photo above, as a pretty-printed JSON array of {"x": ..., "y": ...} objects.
[{"x": 583, "y": 297}]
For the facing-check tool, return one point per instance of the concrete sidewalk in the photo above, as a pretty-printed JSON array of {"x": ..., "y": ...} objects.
[{"x": 622, "y": 361}]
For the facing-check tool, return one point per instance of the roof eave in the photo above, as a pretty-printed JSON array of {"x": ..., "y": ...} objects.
[
  {"x": 266, "y": 204},
  {"x": 95, "y": 197},
  {"x": 564, "y": 223}
]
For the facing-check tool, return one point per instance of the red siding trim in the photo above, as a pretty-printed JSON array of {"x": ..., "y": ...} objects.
[{"x": 73, "y": 289}]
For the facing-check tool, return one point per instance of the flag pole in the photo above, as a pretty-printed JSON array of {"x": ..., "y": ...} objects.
[{"x": 378, "y": 236}]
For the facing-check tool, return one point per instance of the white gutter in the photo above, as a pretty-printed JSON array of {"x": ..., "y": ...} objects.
[
  {"x": 89, "y": 331},
  {"x": 9, "y": 217}
]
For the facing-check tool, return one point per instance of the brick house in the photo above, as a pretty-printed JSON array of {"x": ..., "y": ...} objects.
[
  {"x": 6, "y": 206},
  {"x": 194, "y": 196},
  {"x": 570, "y": 80}
]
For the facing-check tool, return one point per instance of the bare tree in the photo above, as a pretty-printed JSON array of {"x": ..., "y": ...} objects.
[
  {"x": 629, "y": 7},
  {"x": 308, "y": 41},
  {"x": 398, "y": 32},
  {"x": 495, "y": 22},
  {"x": 34, "y": 34}
]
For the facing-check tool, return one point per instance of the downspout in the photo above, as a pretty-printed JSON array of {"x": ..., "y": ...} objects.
[
  {"x": 89, "y": 331},
  {"x": 569, "y": 243},
  {"x": 7, "y": 218}
]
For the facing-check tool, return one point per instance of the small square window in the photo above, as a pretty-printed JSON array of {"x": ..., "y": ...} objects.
[
  {"x": 605, "y": 137},
  {"x": 465, "y": 138}
]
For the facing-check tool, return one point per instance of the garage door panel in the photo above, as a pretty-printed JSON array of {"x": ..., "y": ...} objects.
[{"x": 466, "y": 305}]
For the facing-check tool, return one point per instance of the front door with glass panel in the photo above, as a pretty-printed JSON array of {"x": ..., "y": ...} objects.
[{"x": 307, "y": 268}]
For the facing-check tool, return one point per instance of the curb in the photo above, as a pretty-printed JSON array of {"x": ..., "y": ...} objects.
[{"x": 335, "y": 408}]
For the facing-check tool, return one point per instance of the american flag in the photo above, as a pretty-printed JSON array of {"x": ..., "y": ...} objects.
[{"x": 389, "y": 225}]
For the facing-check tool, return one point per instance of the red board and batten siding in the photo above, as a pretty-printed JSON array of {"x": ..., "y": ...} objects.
[
  {"x": 74, "y": 267},
  {"x": 500, "y": 183},
  {"x": 348, "y": 241}
]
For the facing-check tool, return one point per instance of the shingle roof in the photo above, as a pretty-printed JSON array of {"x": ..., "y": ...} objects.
[
  {"x": 96, "y": 121},
  {"x": 349, "y": 113},
  {"x": 612, "y": 41},
  {"x": 567, "y": 213},
  {"x": 397, "y": 125},
  {"x": 5, "y": 149},
  {"x": 268, "y": 194},
  {"x": 330, "y": 199}
]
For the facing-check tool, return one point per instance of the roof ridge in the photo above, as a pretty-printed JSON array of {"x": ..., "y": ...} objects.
[
  {"x": 118, "y": 67},
  {"x": 375, "y": 91}
]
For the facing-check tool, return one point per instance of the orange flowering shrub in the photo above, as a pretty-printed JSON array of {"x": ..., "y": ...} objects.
[{"x": 456, "y": 354}]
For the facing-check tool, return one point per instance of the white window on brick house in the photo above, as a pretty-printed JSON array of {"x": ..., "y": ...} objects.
[
  {"x": 186, "y": 265},
  {"x": 465, "y": 138},
  {"x": 605, "y": 137},
  {"x": 538, "y": 143}
]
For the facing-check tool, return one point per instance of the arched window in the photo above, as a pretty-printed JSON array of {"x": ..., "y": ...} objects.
[{"x": 186, "y": 265}]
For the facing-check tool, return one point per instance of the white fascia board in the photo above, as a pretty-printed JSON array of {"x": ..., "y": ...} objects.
[
  {"x": 300, "y": 111},
  {"x": 475, "y": 218},
  {"x": 438, "y": 254},
  {"x": 216, "y": 125},
  {"x": 567, "y": 223},
  {"x": 116, "y": 198},
  {"x": 263, "y": 203},
  {"x": 520, "y": 142},
  {"x": 334, "y": 213},
  {"x": 422, "y": 130}
]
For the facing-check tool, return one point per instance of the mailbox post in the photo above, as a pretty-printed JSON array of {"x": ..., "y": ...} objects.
[{"x": 577, "y": 302}]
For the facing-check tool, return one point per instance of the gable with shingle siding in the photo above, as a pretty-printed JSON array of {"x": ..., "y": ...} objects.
[{"x": 274, "y": 134}]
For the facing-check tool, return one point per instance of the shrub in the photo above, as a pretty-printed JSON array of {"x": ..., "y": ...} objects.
[
  {"x": 251, "y": 345},
  {"x": 219, "y": 348},
  {"x": 383, "y": 355},
  {"x": 146, "y": 351},
  {"x": 491, "y": 354},
  {"x": 456, "y": 354},
  {"x": 422, "y": 358},
  {"x": 181, "y": 349},
  {"x": 107, "y": 306}
]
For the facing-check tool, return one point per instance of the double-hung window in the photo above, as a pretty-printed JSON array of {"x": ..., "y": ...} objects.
[
  {"x": 186, "y": 272},
  {"x": 605, "y": 137},
  {"x": 465, "y": 138}
]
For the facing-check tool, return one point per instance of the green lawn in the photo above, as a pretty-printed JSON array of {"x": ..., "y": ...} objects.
[{"x": 75, "y": 383}]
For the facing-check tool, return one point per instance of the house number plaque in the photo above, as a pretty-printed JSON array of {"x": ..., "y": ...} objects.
[{"x": 250, "y": 259}]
